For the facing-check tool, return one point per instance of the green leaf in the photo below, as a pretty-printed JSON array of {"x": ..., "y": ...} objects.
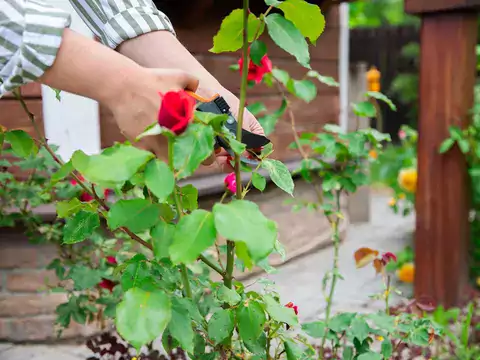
[
  {"x": 116, "y": 165},
  {"x": 159, "y": 179},
  {"x": 162, "y": 237},
  {"x": 2, "y": 138},
  {"x": 327, "y": 80},
  {"x": 229, "y": 296},
  {"x": 258, "y": 49},
  {"x": 288, "y": 37},
  {"x": 315, "y": 329},
  {"x": 212, "y": 119},
  {"x": 279, "y": 312},
  {"x": 220, "y": 325},
  {"x": 137, "y": 275},
  {"x": 152, "y": 130},
  {"x": 181, "y": 324},
  {"x": 230, "y": 35},
  {"x": 446, "y": 145},
  {"x": 269, "y": 121},
  {"x": 191, "y": 148},
  {"x": 304, "y": 89},
  {"x": 370, "y": 356},
  {"x": 80, "y": 227},
  {"x": 383, "y": 321},
  {"x": 22, "y": 144},
  {"x": 360, "y": 329},
  {"x": 188, "y": 197},
  {"x": 420, "y": 336},
  {"x": 364, "y": 109},
  {"x": 281, "y": 76},
  {"x": 347, "y": 353},
  {"x": 251, "y": 320},
  {"x": 293, "y": 351},
  {"x": 259, "y": 181},
  {"x": 341, "y": 322},
  {"x": 272, "y": 2},
  {"x": 256, "y": 108},
  {"x": 242, "y": 220},
  {"x": 143, "y": 316},
  {"x": 306, "y": 17},
  {"x": 279, "y": 174},
  {"x": 194, "y": 234},
  {"x": 68, "y": 208},
  {"x": 137, "y": 215},
  {"x": 61, "y": 173},
  {"x": 382, "y": 97},
  {"x": 83, "y": 277},
  {"x": 387, "y": 349}
]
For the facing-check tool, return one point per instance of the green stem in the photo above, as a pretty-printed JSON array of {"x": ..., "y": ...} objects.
[
  {"x": 387, "y": 295},
  {"x": 178, "y": 204},
  {"x": 333, "y": 284},
  {"x": 227, "y": 279}
]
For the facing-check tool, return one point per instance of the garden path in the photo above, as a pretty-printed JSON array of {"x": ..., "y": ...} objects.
[{"x": 298, "y": 281}]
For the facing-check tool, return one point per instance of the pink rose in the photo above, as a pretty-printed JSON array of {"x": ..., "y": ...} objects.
[
  {"x": 111, "y": 260},
  {"x": 291, "y": 305},
  {"x": 231, "y": 182},
  {"x": 402, "y": 134}
]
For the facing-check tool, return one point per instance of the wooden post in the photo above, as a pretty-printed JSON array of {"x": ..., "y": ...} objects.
[{"x": 447, "y": 78}]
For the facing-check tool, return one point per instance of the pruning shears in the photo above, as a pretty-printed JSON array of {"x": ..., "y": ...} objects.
[{"x": 218, "y": 105}]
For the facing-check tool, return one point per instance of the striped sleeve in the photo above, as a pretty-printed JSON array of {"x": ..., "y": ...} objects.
[
  {"x": 30, "y": 36},
  {"x": 115, "y": 21}
]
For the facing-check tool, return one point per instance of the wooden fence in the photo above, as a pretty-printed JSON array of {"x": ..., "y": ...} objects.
[{"x": 382, "y": 47}]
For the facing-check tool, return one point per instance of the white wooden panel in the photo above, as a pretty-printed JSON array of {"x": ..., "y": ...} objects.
[{"x": 72, "y": 123}]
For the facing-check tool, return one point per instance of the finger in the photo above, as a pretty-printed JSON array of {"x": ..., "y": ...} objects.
[
  {"x": 253, "y": 124},
  {"x": 223, "y": 164},
  {"x": 188, "y": 81}
]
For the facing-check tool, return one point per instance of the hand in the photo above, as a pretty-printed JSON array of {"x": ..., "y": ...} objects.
[
  {"x": 221, "y": 159},
  {"x": 136, "y": 107}
]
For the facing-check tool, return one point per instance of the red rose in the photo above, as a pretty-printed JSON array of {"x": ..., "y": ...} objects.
[
  {"x": 176, "y": 111},
  {"x": 111, "y": 260},
  {"x": 291, "y": 305},
  {"x": 387, "y": 257},
  {"x": 107, "y": 284},
  {"x": 86, "y": 197},
  {"x": 256, "y": 72}
]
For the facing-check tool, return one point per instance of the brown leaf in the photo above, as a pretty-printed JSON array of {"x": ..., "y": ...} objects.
[
  {"x": 378, "y": 265},
  {"x": 364, "y": 256}
]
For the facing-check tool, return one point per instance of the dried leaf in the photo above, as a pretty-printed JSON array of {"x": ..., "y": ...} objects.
[{"x": 364, "y": 256}]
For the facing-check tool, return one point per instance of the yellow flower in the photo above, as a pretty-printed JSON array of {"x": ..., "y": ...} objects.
[
  {"x": 392, "y": 202},
  {"x": 407, "y": 179},
  {"x": 373, "y": 154},
  {"x": 478, "y": 281},
  {"x": 406, "y": 273},
  {"x": 380, "y": 338},
  {"x": 402, "y": 196}
]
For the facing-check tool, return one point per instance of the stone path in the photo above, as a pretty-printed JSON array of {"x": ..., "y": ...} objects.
[{"x": 298, "y": 281}]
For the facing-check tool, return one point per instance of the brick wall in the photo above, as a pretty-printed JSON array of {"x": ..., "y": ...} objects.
[{"x": 27, "y": 311}]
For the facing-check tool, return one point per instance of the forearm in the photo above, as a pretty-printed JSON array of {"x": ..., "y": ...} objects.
[
  {"x": 87, "y": 68},
  {"x": 160, "y": 49}
]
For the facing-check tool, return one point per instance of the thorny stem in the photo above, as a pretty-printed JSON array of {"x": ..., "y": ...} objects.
[
  {"x": 227, "y": 279},
  {"x": 44, "y": 142},
  {"x": 336, "y": 246},
  {"x": 183, "y": 267}
]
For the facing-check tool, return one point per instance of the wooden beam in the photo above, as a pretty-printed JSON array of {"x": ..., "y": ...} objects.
[
  {"x": 429, "y": 6},
  {"x": 447, "y": 78}
]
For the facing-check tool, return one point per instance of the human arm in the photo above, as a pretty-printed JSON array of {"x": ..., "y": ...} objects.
[{"x": 36, "y": 46}]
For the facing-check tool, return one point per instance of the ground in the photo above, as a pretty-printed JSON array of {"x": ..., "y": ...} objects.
[{"x": 299, "y": 281}]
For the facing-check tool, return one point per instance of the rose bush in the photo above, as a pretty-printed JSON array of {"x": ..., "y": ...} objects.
[{"x": 152, "y": 273}]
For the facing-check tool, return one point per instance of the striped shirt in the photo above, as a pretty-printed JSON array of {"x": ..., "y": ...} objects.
[{"x": 31, "y": 32}]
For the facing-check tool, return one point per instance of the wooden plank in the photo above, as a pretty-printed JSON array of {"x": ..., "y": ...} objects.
[
  {"x": 12, "y": 116},
  {"x": 429, "y": 6},
  {"x": 31, "y": 90},
  {"x": 447, "y": 78}
]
